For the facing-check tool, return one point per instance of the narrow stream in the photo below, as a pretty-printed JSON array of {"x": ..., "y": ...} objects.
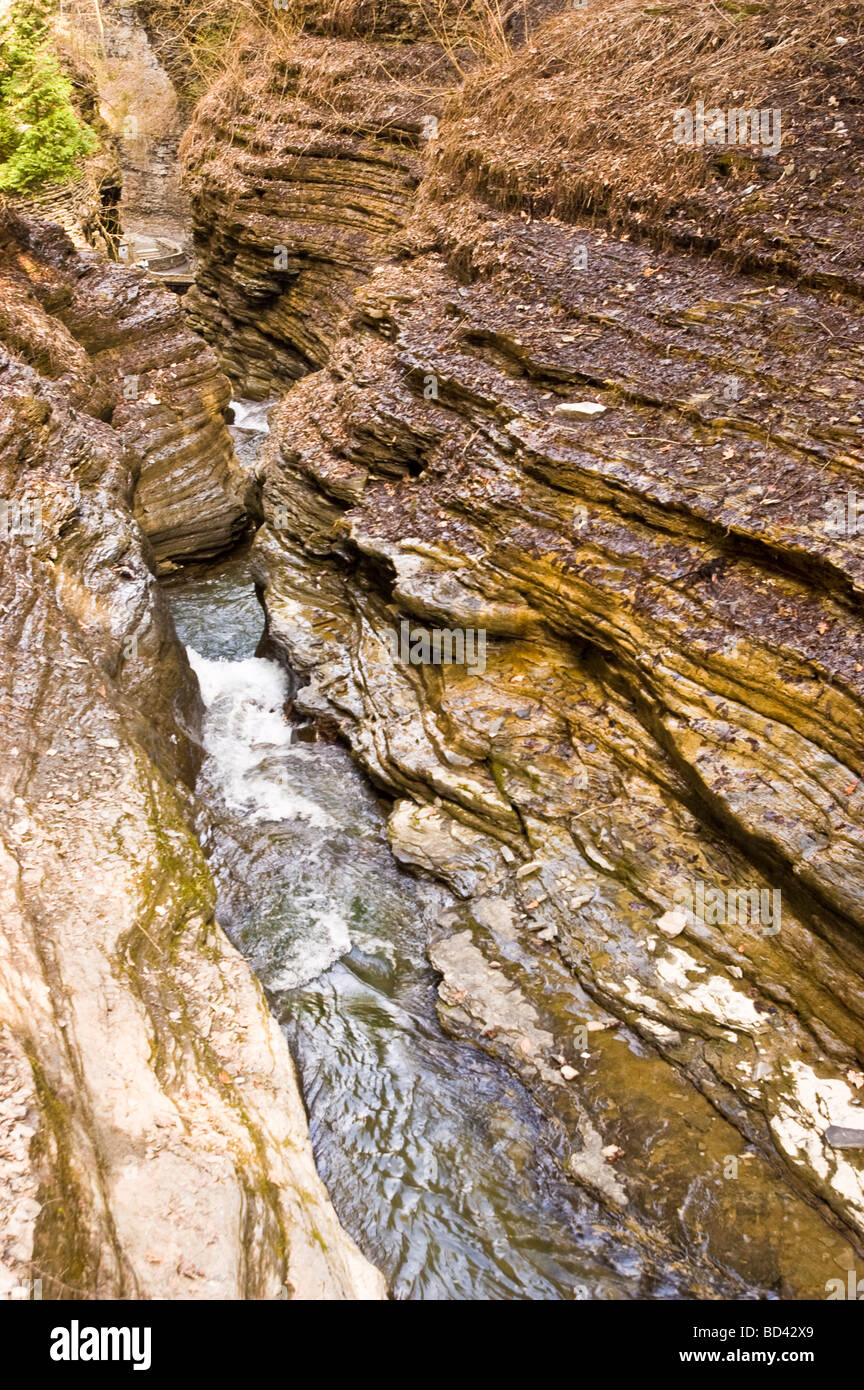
[{"x": 436, "y": 1160}]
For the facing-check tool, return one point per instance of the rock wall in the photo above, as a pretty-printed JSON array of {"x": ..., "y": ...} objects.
[
  {"x": 140, "y": 106},
  {"x": 120, "y": 343},
  {"x": 154, "y": 1143},
  {"x": 618, "y": 459},
  {"x": 300, "y": 172}
]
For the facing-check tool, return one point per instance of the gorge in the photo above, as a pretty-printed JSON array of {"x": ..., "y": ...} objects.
[{"x": 329, "y": 970}]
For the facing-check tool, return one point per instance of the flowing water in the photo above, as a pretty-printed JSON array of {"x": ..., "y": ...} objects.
[{"x": 436, "y": 1160}]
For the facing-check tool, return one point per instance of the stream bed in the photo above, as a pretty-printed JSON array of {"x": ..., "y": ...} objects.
[{"x": 436, "y": 1159}]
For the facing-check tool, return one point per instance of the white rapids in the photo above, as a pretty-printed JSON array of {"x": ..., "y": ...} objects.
[
  {"x": 252, "y": 415},
  {"x": 252, "y": 765},
  {"x": 249, "y": 741}
]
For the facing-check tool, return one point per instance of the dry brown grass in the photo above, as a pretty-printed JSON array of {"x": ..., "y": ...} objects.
[
  {"x": 273, "y": 93},
  {"x": 279, "y": 73},
  {"x": 576, "y": 120},
  {"x": 580, "y": 119},
  {"x": 198, "y": 39}
]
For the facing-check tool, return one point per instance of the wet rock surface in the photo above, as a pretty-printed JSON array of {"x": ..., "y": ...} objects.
[{"x": 153, "y": 1141}]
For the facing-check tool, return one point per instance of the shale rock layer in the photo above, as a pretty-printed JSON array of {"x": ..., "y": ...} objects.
[
  {"x": 630, "y": 467},
  {"x": 154, "y": 1142},
  {"x": 119, "y": 344}
]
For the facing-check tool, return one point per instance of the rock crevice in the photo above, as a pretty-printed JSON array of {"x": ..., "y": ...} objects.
[{"x": 154, "y": 1139}]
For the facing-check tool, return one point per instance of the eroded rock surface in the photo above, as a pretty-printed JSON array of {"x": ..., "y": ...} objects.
[
  {"x": 619, "y": 460},
  {"x": 301, "y": 169},
  {"x": 120, "y": 345},
  {"x": 154, "y": 1143}
]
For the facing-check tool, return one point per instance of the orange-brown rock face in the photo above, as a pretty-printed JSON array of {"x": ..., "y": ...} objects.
[
  {"x": 634, "y": 470},
  {"x": 668, "y": 697}
]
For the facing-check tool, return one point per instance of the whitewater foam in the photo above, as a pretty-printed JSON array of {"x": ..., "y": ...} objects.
[
  {"x": 252, "y": 415},
  {"x": 248, "y": 739},
  {"x": 314, "y": 954}
]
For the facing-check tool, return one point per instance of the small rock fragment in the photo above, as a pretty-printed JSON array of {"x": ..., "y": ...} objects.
[
  {"x": 672, "y": 923},
  {"x": 839, "y": 1137},
  {"x": 525, "y": 869},
  {"x": 579, "y": 408}
]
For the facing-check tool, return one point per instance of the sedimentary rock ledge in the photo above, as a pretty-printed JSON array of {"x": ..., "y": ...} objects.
[
  {"x": 154, "y": 1140},
  {"x": 617, "y": 459},
  {"x": 120, "y": 345}
]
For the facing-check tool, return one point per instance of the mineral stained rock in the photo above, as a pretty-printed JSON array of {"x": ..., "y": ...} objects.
[
  {"x": 672, "y": 693},
  {"x": 154, "y": 1142}
]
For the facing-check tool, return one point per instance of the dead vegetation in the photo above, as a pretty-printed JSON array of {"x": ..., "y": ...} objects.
[
  {"x": 579, "y": 121},
  {"x": 571, "y": 114},
  {"x": 283, "y": 74},
  {"x": 268, "y": 99},
  {"x": 199, "y": 40}
]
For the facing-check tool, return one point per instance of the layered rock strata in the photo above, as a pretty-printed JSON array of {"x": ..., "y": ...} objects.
[
  {"x": 545, "y": 414},
  {"x": 301, "y": 169},
  {"x": 120, "y": 345},
  {"x": 154, "y": 1143}
]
